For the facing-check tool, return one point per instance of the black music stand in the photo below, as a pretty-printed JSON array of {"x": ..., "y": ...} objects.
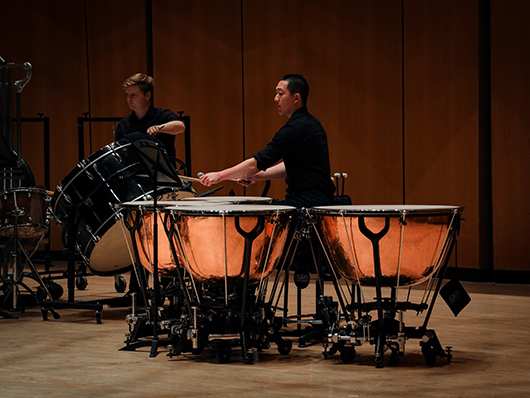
[{"x": 162, "y": 173}]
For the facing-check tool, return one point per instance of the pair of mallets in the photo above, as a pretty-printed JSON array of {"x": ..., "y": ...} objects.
[{"x": 336, "y": 177}]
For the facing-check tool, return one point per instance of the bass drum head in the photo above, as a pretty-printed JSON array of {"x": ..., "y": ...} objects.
[{"x": 113, "y": 253}]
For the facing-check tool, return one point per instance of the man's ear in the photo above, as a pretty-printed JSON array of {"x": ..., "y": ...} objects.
[
  {"x": 148, "y": 95},
  {"x": 297, "y": 97}
]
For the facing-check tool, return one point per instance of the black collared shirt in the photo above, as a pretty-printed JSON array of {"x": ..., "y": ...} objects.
[
  {"x": 302, "y": 144},
  {"x": 154, "y": 117}
]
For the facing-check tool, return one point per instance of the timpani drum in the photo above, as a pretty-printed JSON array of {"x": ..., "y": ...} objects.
[
  {"x": 216, "y": 243},
  {"x": 25, "y": 207},
  {"x": 143, "y": 233},
  {"x": 411, "y": 240},
  {"x": 140, "y": 215}
]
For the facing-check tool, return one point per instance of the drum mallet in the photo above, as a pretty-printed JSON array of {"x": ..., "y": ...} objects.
[
  {"x": 200, "y": 174},
  {"x": 191, "y": 179},
  {"x": 344, "y": 176},
  {"x": 337, "y": 176},
  {"x": 186, "y": 178}
]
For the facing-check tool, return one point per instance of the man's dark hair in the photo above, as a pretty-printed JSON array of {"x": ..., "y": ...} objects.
[
  {"x": 145, "y": 83},
  {"x": 297, "y": 84}
]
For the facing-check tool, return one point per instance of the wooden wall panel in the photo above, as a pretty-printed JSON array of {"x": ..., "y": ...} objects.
[
  {"x": 441, "y": 111},
  {"x": 51, "y": 37},
  {"x": 219, "y": 61},
  {"x": 350, "y": 53},
  {"x": 197, "y": 63},
  {"x": 52, "y": 40},
  {"x": 510, "y": 63},
  {"x": 116, "y": 50}
]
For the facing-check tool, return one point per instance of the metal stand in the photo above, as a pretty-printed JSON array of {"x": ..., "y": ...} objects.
[
  {"x": 159, "y": 169},
  {"x": 317, "y": 323},
  {"x": 7, "y": 315},
  {"x": 14, "y": 168},
  {"x": 388, "y": 331},
  {"x": 89, "y": 305},
  {"x": 46, "y": 137}
]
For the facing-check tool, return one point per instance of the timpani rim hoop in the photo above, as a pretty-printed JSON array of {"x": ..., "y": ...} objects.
[
  {"x": 388, "y": 209},
  {"x": 220, "y": 209},
  {"x": 234, "y": 199}
]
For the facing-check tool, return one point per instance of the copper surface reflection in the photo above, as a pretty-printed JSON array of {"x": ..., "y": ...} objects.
[
  {"x": 213, "y": 250},
  {"x": 409, "y": 252},
  {"x": 144, "y": 237},
  {"x": 144, "y": 233}
]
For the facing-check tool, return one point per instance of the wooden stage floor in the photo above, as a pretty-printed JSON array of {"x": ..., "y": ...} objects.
[{"x": 75, "y": 356}]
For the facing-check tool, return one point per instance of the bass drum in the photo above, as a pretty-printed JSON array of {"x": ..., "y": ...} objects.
[{"x": 92, "y": 190}]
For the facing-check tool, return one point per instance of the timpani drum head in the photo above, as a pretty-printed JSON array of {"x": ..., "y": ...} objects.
[{"x": 230, "y": 199}]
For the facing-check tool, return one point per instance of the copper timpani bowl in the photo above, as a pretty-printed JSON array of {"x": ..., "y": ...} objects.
[
  {"x": 144, "y": 236},
  {"x": 410, "y": 251},
  {"x": 212, "y": 240}
]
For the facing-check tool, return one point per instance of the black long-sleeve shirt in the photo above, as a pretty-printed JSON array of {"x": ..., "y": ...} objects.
[
  {"x": 153, "y": 117},
  {"x": 303, "y": 146}
]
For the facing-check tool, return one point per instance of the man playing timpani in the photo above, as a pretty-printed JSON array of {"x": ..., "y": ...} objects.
[{"x": 302, "y": 146}]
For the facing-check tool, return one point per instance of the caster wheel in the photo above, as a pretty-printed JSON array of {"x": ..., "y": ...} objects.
[
  {"x": 448, "y": 354},
  {"x": 394, "y": 359},
  {"x": 347, "y": 354},
  {"x": 81, "y": 282},
  {"x": 41, "y": 294},
  {"x": 429, "y": 354},
  {"x": 224, "y": 354},
  {"x": 55, "y": 314},
  {"x": 44, "y": 313},
  {"x": 98, "y": 317},
  {"x": 120, "y": 284},
  {"x": 55, "y": 290},
  {"x": 284, "y": 348},
  {"x": 249, "y": 360}
]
